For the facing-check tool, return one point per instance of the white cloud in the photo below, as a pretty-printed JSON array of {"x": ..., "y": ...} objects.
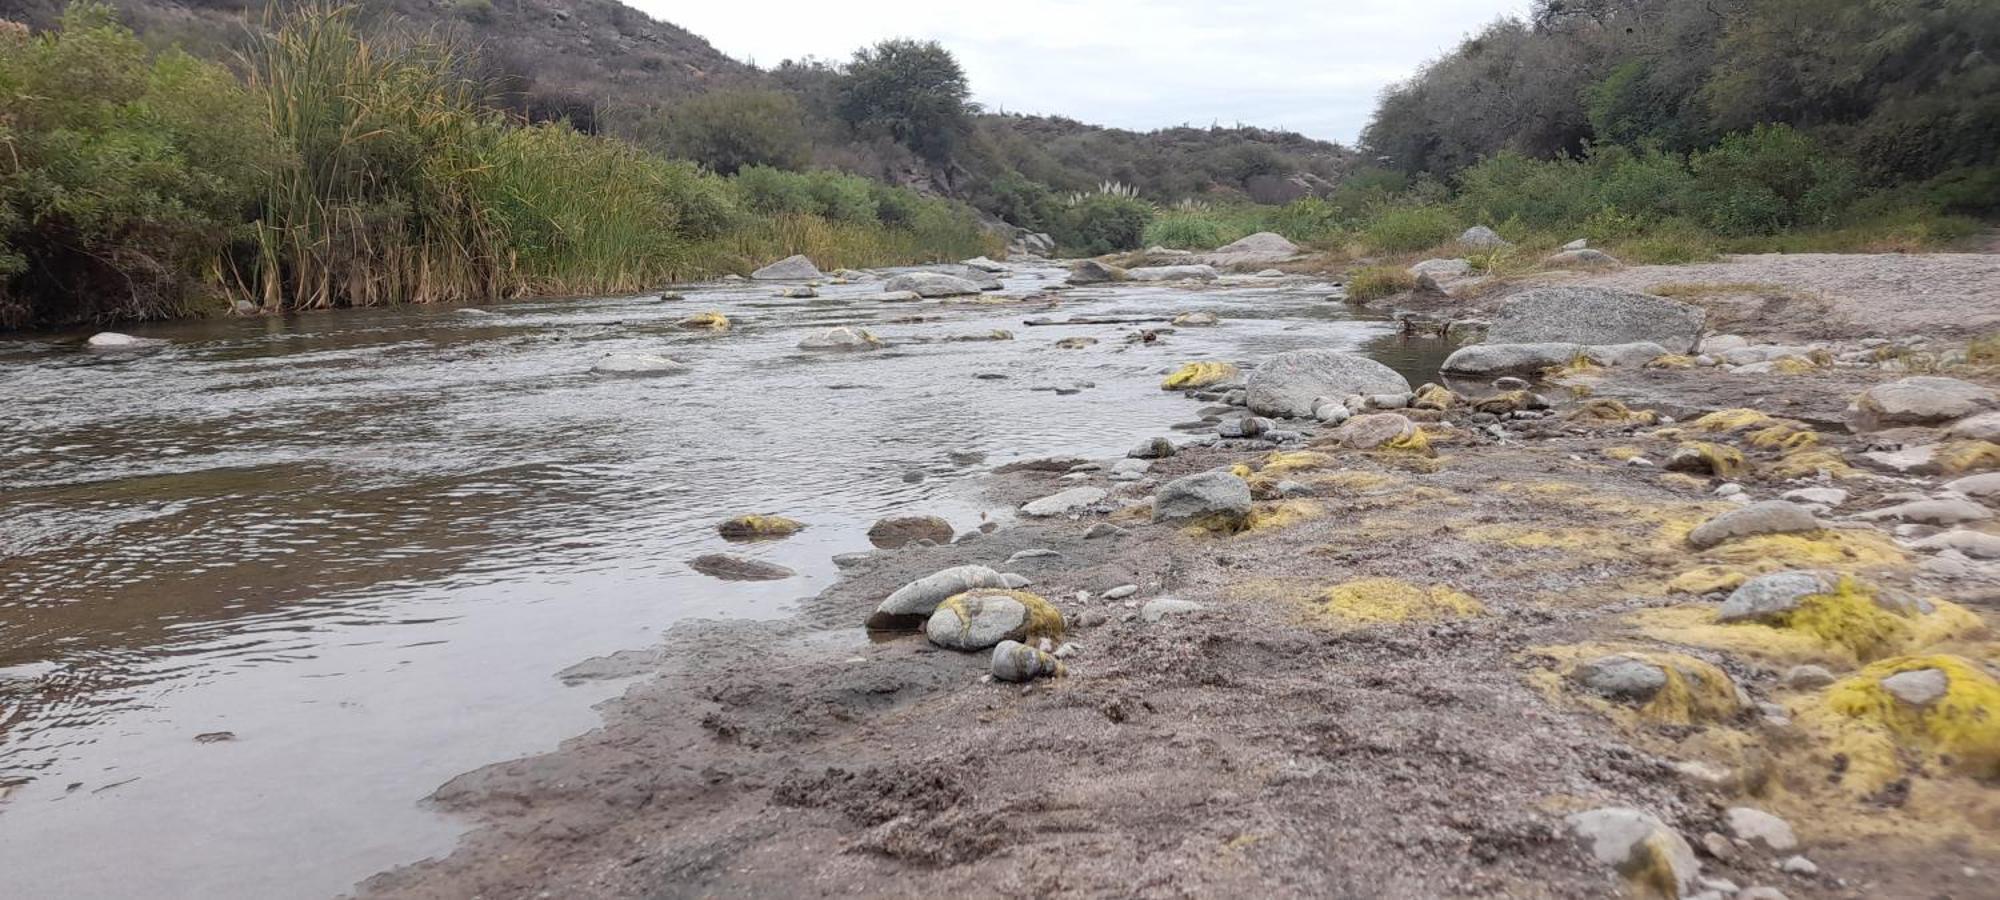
[{"x": 1127, "y": 63}]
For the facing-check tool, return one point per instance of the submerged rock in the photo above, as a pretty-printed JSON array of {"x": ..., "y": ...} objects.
[
  {"x": 980, "y": 618},
  {"x": 1188, "y": 320},
  {"x": 932, "y": 284},
  {"x": 1767, "y": 517},
  {"x": 1217, "y": 496},
  {"x": 1090, "y": 271},
  {"x": 791, "y": 268},
  {"x": 636, "y": 364},
  {"x": 109, "y": 340},
  {"x": 841, "y": 338},
  {"x": 1288, "y": 384},
  {"x": 912, "y": 604},
  {"x": 1597, "y": 316},
  {"x": 1015, "y": 661},
  {"x": 737, "y": 568},
  {"x": 753, "y": 527},
  {"x": 892, "y": 532}
]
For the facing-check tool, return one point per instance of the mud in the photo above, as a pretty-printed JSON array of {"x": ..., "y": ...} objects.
[{"x": 1275, "y": 743}]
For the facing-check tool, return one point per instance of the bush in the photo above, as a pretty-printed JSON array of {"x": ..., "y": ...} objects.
[
  {"x": 913, "y": 91},
  {"x": 1104, "y": 223},
  {"x": 1185, "y": 230},
  {"x": 728, "y": 131},
  {"x": 1378, "y": 281},
  {"x": 1407, "y": 229},
  {"x": 1770, "y": 179}
]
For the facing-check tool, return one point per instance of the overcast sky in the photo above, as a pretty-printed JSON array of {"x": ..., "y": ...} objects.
[{"x": 1311, "y": 68}]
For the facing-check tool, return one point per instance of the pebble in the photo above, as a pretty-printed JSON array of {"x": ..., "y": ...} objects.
[
  {"x": 1033, "y": 553},
  {"x": 1799, "y": 865},
  {"x": 1808, "y": 677},
  {"x": 1152, "y": 448},
  {"x": 1121, "y": 592},
  {"x": 1104, "y": 530},
  {"x": 1155, "y": 610}
]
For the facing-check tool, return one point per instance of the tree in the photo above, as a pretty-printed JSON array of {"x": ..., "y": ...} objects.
[
  {"x": 913, "y": 91},
  {"x": 731, "y": 130}
]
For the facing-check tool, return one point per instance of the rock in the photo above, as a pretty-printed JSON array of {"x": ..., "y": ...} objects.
[
  {"x": 1919, "y": 688},
  {"x": 1597, "y": 316},
  {"x": 1918, "y": 400},
  {"x": 1639, "y": 846},
  {"x": 1015, "y": 661},
  {"x": 1261, "y": 248},
  {"x": 1799, "y": 865},
  {"x": 1621, "y": 678},
  {"x": 798, "y": 292},
  {"x": 899, "y": 296},
  {"x": 1510, "y": 359},
  {"x": 892, "y": 532},
  {"x": 705, "y": 321},
  {"x": 791, "y": 268},
  {"x": 1987, "y": 485},
  {"x": 984, "y": 265},
  {"x": 1075, "y": 343},
  {"x": 1288, "y": 383},
  {"x": 1766, "y": 517},
  {"x": 1718, "y": 846},
  {"x": 912, "y": 604},
  {"x": 1582, "y": 258},
  {"x": 1723, "y": 343},
  {"x": 1821, "y": 496},
  {"x": 1975, "y": 544},
  {"x": 1759, "y": 827},
  {"x": 1270, "y": 273},
  {"x": 1982, "y": 427},
  {"x": 1193, "y": 319},
  {"x": 637, "y": 364},
  {"x": 1172, "y": 273},
  {"x": 1090, "y": 271},
  {"x": 1771, "y": 595},
  {"x": 1121, "y": 592},
  {"x": 1632, "y": 355},
  {"x": 1243, "y": 427},
  {"x": 1151, "y": 448},
  {"x": 1443, "y": 268},
  {"x": 1155, "y": 610},
  {"x": 758, "y": 527},
  {"x": 1062, "y": 503},
  {"x": 1761, "y": 893},
  {"x": 1577, "y": 244},
  {"x": 932, "y": 284},
  {"x": 982, "y": 617},
  {"x": 1480, "y": 237},
  {"x": 111, "y": 340},
  {"x": 1032, "y": 553},
  {"x": 1104, "y": 530},
  {"x": 737, "y": 568},
  {"x": 1931, "y": 512},
  {"x": 850, "y": 560},
  {"x": 1015, "y": 582},
  {"x": 1332, "y": 413},
  {"x": 1807, "y": 677},
  {"x": 1132, "y": 466},
  {"x": 841, "y": 338},
  {"x": 1372, "y": 431},
  {"x": 1218, "y": 496}
]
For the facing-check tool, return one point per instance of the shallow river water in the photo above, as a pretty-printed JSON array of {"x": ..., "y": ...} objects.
[{"x": 265, "y": 586}]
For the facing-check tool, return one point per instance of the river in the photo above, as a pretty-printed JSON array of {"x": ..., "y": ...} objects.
[{"x": 267, "y": 584}]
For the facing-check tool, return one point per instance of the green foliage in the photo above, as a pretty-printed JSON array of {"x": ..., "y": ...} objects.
[
  {"x": 1015, "y": 199},
  {"x": 1406, "y": 229},
  {"x": 1186, "y": 230},
  {"x": 1104, "y": 223},
  {"x": 1770, "y": 179},
  {"x": 1376, "y": 282},
  {"x": 729, "y": 130},
  {"x": 913, "y": 91}
]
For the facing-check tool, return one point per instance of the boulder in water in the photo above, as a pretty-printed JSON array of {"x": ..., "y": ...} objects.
[
  {"x": 109, "y": 340},
  {"x": 1090, "y": 271},
  {"x": 791, "y": 268},
  {"x": 931, "y": 284},
  {"x": 729, "y": 567},
  {"x": 1288, "y": 383},
  {"x": 637, "y": 364},
  {"x": 841, "y": 338},
  {"x": 1173, "y": 273}
]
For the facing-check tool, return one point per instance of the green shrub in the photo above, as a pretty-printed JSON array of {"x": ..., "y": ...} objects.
[
  {"x": 1407, "y": 229},
  {"x": 1770, "y": 179},
  {"x": 728, "y": 131},
  {"x": 1378, "y": 281},
  {"x": 1185, "y": 230},
  {"x": 1105, "y": 223},
  {"x": 1309, "y": 220},
  {"x": 1671, "y": 243}
]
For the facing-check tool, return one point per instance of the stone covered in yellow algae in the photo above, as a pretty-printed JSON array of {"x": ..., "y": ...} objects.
[
  {"x": 711, "y": 321},
  {"x": 758, "y": 526},
  {"x": 1196, "y": 375},
  {"x": 1959, "y": 728}
]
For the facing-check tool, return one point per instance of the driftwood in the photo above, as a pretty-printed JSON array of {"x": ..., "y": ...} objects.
[{"x": 1098, "y": 320}]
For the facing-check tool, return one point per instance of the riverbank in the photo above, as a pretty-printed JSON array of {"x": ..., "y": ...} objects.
[{"x": 1325, "y": 724}]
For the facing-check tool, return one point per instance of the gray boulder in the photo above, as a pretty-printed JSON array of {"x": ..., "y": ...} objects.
[
  {"x": 1151, "y": 448},
  {"x": 1621, "y": 678},
  {"x": 1638, "y": 846},
  {"x": 1173, "y": 273},
  {"x": 1582, "y": 258},
  {"x": 1983, "y": 485},
  {"x": 1015, "y": 661},
  {"x": 791, "y": 268},
  {"x": 1288, "y": 383},
  {"x": 1630, "y": 355},
  {"x": 1982, "y": 427},
  {"x": 1262, "y": 248},
  {"x": 1767, "y": 517},
  {"x": 984, "y": 265},
  {"x": 730, "y": 567},
  {"x": 1919, "y": 688},
  {"x": 1062, "y": 503},
  {"x": 1202, "y": 496},
  {"x": 1931, "y": 512},
  {"x": 1510, "y": 359},
  {"x": 1770, "y": 595},
  {"x": 1975, "y": 544},
  {"x": 1918, "y": 400},
  {"x": 931, "y": 284},
  {"x": 1597, "y": 316},
  {"x": 841, "y": 338},
  {"x": 978, "y": 619},
  {"x": 1443, "y": 268},
  {"x": 896, "y": 531},
  {"x": 912, "y": 604},
  {"x": 111, "y": 340},
  {"x": 1756, "y": 826},
  {"x": 1090, "y": 271},
  {"x": 1480, "y": 237}
]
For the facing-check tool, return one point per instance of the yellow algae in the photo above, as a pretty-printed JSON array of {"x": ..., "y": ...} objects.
[
  {"x": 1833, "y": 548},
  {"x": 1695, "y": 691},
  {"x": 1793, "y": 365},
  {"x": 1622, "y": 454},
  {"x": 1241, "y": 470},
  {"x": 1671, "y": 361},
  {"x": 1356, "y": 480},
  {"x": 1846, "y": 627},
  {"x": 1849, "y": 617},
  {"x": 1432, "y": 396},
  {"x": 1683, "y": 482},
  {"x": 1723, "y": 421},
  {"x": 1960, "y": 729},
  {"x": 1283, "y": 462},
  {"x": 759, "y": 526},
  {"x": 1810, "y": 462},
  {"x": 1604, "y": 409},
  {"x": 1721, "y": 461},
  {"x": 1389, "y": 600},
  {"x": 1960, "y": 457},
  {"x": 711, "y": 320},
  {"x": 1043, "y": 621},
  {"x": 1783, "y": 436},
  {"x": 1503, "y": 402},
  {"x": 1196, "y": 375},
  {"x": 1708, "y": 580},
  {"x": 1283, "y": 514},
  {"x": 1416, "y": 441},
  {"x": 1579, "y": 364}
]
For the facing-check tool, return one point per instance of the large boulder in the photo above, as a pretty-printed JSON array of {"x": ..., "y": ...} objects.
[
  {"x": 931, "y": 284},
  {"x": 912, "y": 604},
  {"x": 895, "y": 531},
  {"x": 1509, "y": 359},
  {"x": 1596, "y": 315},
  {"x": 1288, "y": 383},
  {"x": 1918, "y": 400},
  {"x": 981, "y": 618},
  {"x": 1262, "y": 248},
  {"x": 791, "y": 268},
  {"x": 1480, "y": 237},
  {"x": 1767, "y": 517},
  {"x": 1655, "y": 859},
  {"x": 1172, "y": 273},
  {"x": 1218, "y": 496},
  {"x": 1775, "y": 594},
  {"x": 1090, "y": 271}
]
